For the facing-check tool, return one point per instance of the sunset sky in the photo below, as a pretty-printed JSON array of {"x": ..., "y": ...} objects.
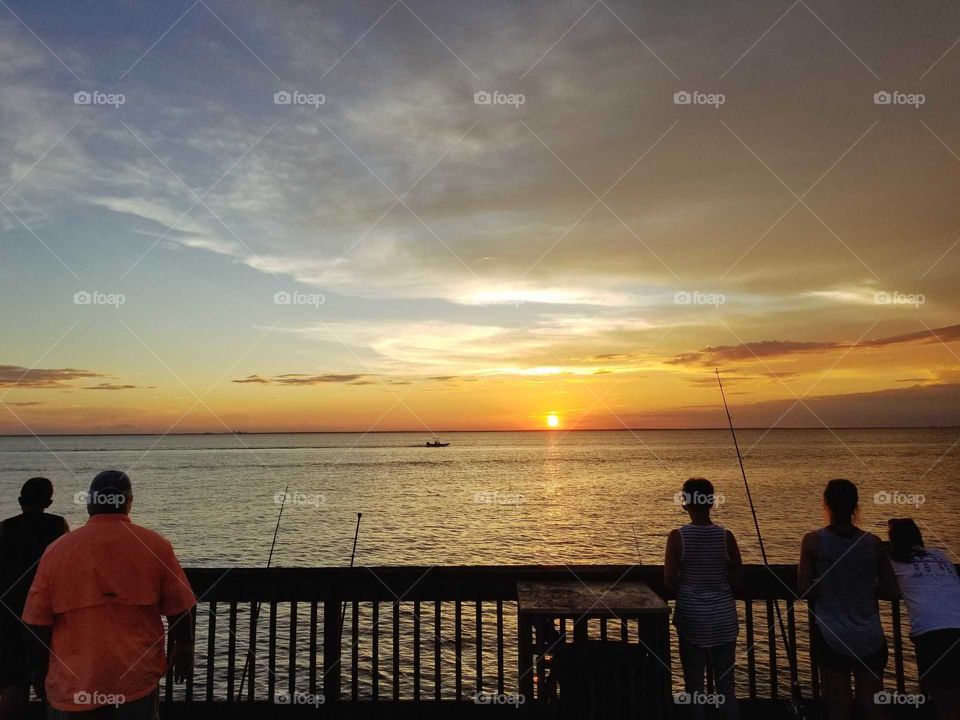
[{"x": 185, "y": 254}]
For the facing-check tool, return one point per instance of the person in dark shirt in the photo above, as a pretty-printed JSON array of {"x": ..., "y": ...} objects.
[{"x": 23, "y": 539}]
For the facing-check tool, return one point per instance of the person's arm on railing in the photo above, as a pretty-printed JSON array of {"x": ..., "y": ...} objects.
[
  {"x": 181, "y": 639},
  {"x": 735, "y": 567},
  {"x": 806, "y": 572},
  {"x": 671, "y": 561},
  {"x": 176, "y": 603},
  {"x": 888, "y": 588},
  {"x": 38, "y": 657}
]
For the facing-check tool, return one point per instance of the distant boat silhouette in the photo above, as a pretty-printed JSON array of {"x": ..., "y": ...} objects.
[{"x": 436, "y": 443}]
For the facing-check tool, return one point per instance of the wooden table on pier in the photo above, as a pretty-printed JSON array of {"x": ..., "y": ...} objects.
[{"x": 540, "y": 604}]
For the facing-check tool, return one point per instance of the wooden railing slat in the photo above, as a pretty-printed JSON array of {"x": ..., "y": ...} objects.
[
  {"x": 292, "y": 663},
  {"x": 355, "y": 651},
  {"x": 458, "y": 649},
  {"x": 314, "y": 624},
  {"x": 168, "y": 684},
  {"x": 500, "y": 678},
  {"x": 332, "y": 669},
  {"x": 375, "y": 653},
  {"x": 479, "y": 645},
  {"x": 396, "y": 650},
  {"x": 272, "y": 652},
  {"x": 751, "y": 651},
  {"x": 193, "y": 668},
  {"x": 438, "y": 686},
  {"x": 772, "y": 650},
  {"x": 814, "y": 669},
  {"x": 416, "y": 650},
  {"x": 898, "y": 646},
  {"x": 231, "y": 648},
  {"x": 792, "y": 635},
  {"x": 211, "y": 647},
  {"x": 252, "y": 649}
]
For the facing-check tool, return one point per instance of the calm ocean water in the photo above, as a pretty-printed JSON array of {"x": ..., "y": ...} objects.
[{"x": 490, "y": 498}]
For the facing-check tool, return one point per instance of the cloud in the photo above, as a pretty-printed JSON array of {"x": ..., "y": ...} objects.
[
  {"x": 295, "y": 379},
  {"x": 113, "y": 386},
  {"x": 747, "y": 352},
  {"x": 21, "y": 377},
  {"x": 302, "y": 379},
  {"x": 15, "y": 376}
]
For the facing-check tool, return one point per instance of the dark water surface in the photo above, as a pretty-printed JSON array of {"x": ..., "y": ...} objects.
[{"x": 490, "y": 498}]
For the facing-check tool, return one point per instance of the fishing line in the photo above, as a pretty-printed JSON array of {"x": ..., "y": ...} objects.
[
  {"x": 353, "y": 554},
  {"x": 255, "y": 615},
  {"x": 796, "y": 706}
]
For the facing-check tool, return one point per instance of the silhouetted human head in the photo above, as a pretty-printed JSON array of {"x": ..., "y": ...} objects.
[
  {"x": 110, "y": 493},
  {"x": 36, "y": 494},
  {"x": 905, "y": 538},
  {"x": 841, "y": 499},
  {"x": 698, "y": 496}
]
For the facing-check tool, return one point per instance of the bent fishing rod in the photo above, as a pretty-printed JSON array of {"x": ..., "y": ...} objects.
[
  {"x": 255, "y": 615},
  {"x": 796, "y": 703}
]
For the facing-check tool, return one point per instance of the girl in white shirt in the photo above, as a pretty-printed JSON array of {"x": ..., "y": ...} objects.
[{"x": 930, "y": 589}]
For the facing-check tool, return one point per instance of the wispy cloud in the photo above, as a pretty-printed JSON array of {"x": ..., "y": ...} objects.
[
  {"x": 43, "y": 378},
  {"x": 749, "y": 352}
]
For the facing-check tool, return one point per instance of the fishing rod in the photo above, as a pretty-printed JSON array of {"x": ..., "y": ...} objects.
[
  {"x": 353, "y": 554},
  {"x": 255, "y": 615},
  {"x": 796, "y": 703}
]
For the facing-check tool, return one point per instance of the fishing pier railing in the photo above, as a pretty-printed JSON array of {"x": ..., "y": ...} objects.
[{"x": 444, "y": 641}]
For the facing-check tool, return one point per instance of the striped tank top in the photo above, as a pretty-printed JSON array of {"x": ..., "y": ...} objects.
[{"x": 706, "y": 613}]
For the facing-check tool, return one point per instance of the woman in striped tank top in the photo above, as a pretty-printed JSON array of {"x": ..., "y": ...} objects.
[{"x": 702, "y": 565}]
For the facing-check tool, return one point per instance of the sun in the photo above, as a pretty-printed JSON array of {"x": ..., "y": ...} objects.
[{"x": 553, "y": 421}]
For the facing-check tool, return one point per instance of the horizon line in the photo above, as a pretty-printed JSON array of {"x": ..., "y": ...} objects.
[{"x": 435, "y": 433}]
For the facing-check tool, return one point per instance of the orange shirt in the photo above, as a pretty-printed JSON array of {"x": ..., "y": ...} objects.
[{"x": 103, "y": 589}]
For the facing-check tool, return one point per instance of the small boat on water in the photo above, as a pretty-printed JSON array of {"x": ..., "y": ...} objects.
[{"x": 436, "y": 443}]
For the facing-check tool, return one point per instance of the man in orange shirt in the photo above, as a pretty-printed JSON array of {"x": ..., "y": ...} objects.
[{"x": 97, "y": 604}]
